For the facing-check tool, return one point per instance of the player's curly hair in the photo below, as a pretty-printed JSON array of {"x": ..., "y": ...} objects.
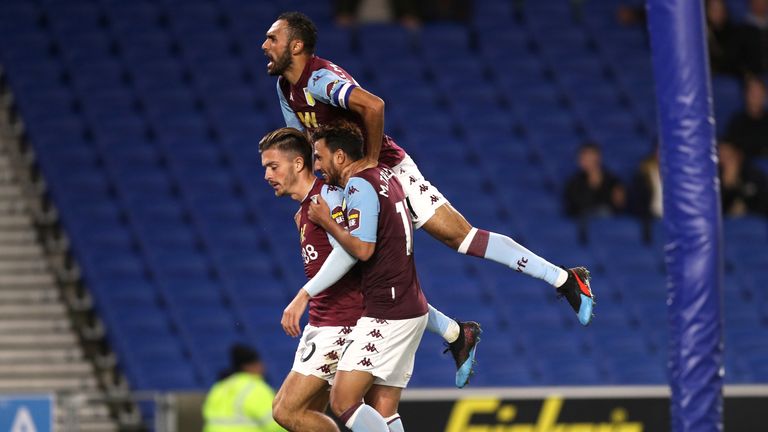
[
  {"x": 288, "y": 140},
  {"x": 301, "y": 28},
  {"x": 342, "y": 135}
]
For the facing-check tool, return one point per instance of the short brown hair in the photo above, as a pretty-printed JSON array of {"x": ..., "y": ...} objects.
[
  {"x": 342, "y": 135},
  {"x": 288, "y": 140}
]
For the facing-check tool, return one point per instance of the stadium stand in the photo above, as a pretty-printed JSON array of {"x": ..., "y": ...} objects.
[{"x": 145, "y": 117}]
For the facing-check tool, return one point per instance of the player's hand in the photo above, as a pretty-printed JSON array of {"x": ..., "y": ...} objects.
[
  {"x": 319, "y": 212},
  {"x": 293, "y": 313},
  {"x": 356, "y": 167}
]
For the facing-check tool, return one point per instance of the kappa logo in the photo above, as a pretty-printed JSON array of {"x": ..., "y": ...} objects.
[
  {"x": 340, "y": 341},
  {"x": 370, "y": 348},
  {"x": 345, "y": 330},
  {"x": 326, "y": 369},
  {"x": 375, "y": 333},
  {"x": 423, "y": 188},
  {"x": 352, "y": 190},
  {"x": 333, "y": 355},
  {"x": 380, "y": 321},
  {"x": 365, "y": 362},
  {"x": 434, "y": 199},
  {"x": 412, "y": 180}
]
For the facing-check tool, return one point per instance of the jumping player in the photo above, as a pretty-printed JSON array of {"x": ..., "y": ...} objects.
[{"x": 314, "y": 92}]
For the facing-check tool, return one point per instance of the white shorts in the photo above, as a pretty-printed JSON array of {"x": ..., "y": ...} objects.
[
  {"x": 423, "y": 197},
  {"x": 319, "y": 351},
  {"x": 384, "y": 348}
]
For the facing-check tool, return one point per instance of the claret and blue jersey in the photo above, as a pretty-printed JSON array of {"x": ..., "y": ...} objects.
[{"x": 321, "y": 96}]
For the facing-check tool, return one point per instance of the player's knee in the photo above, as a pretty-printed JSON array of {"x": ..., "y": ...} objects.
[
  {"x": 282, "y": 413},
  {"x": 340, "y": 404}
]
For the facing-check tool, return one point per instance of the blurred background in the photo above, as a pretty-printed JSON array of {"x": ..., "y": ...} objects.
[{"x": 138, "y": 240}]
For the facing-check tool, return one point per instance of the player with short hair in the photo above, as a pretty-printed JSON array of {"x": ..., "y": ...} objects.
[
  {"x": 314, "y": 92},
  {"x": 301, "y": 401},
  {"x": 379, "y": 357}
]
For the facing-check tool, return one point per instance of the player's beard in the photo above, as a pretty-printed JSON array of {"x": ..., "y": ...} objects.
[
  {"x": 282, "y": 63},
  {"x": 333, "y": 176}
]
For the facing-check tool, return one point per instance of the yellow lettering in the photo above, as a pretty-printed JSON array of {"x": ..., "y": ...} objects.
[
  {"x": 462, "y": 412},
  {"x": 309, "y": 119},
  {"x": 460, "y": 419},
  {"x": 549, "y": 413}
]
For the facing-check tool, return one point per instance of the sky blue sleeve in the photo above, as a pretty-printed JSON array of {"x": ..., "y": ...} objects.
[
  {"x": 331, "y": 88},
  {"x": 334, "y": 197},
  {"x": 362, "y": 209},
  {"x": 338, "y": 263},
  {"x": 288, "y": 114}
]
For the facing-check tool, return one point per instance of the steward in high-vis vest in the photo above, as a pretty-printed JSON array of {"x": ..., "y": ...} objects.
[{"x": 241, "y": 402}]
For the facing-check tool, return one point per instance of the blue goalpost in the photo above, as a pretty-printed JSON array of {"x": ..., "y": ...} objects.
[{"x": 692, "y": 217}]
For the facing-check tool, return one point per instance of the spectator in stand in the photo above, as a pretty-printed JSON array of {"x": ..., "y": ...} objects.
[
  {"x": 721, "y": 34},
  {"x": 349, "y": 12},
  {"x": 743, "y": 187},
  {"x": 410, "y": 14},
  {"x": 593, "y": 190},
  {"x": 753, "y": 39},
  {"x": 748, "y": 129},
  {"x": 645, "y": 194}
]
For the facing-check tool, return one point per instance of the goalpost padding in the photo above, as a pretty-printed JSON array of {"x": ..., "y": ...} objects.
[{"x": 692, "y": 218}]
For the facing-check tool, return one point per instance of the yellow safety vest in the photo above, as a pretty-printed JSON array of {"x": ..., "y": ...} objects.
[{"x": 240, "y": 403}]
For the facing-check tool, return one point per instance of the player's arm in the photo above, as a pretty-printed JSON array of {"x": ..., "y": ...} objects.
[
  {"x": 359, "y": 249},
  {"x": 335, "y": 88},
  {"x": 339, "y": 262},
  {"x": 371, "y": 109},
  {"x": 362, "y": 214}
]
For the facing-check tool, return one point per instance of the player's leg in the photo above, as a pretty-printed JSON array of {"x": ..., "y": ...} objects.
[
  {"x": 300, "y": 403},
  {"x": 347, "y": 393},
  {"x": 451, "y": 228},
  {"x": 430, "y": 210},
  {"x": 385, "y": 400},
  {"x": 462, "y": 339}
]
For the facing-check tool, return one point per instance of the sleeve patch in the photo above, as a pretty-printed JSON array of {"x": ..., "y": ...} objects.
[{"x": 353, "y": 219}]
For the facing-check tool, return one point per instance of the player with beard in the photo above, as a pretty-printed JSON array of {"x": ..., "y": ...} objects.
[
  {"x": 301, "y": 401},
  {"x": 380, "y": 353},
  {"x": 314, "y": 92}
]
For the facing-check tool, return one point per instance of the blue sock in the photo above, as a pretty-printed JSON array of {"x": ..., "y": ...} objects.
[
  {"x": 366, "y": 419},
  {"x": 394, "y": 423},
  {"x": 504, "y": 250},
  {"x": 441, "y": 325}
]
